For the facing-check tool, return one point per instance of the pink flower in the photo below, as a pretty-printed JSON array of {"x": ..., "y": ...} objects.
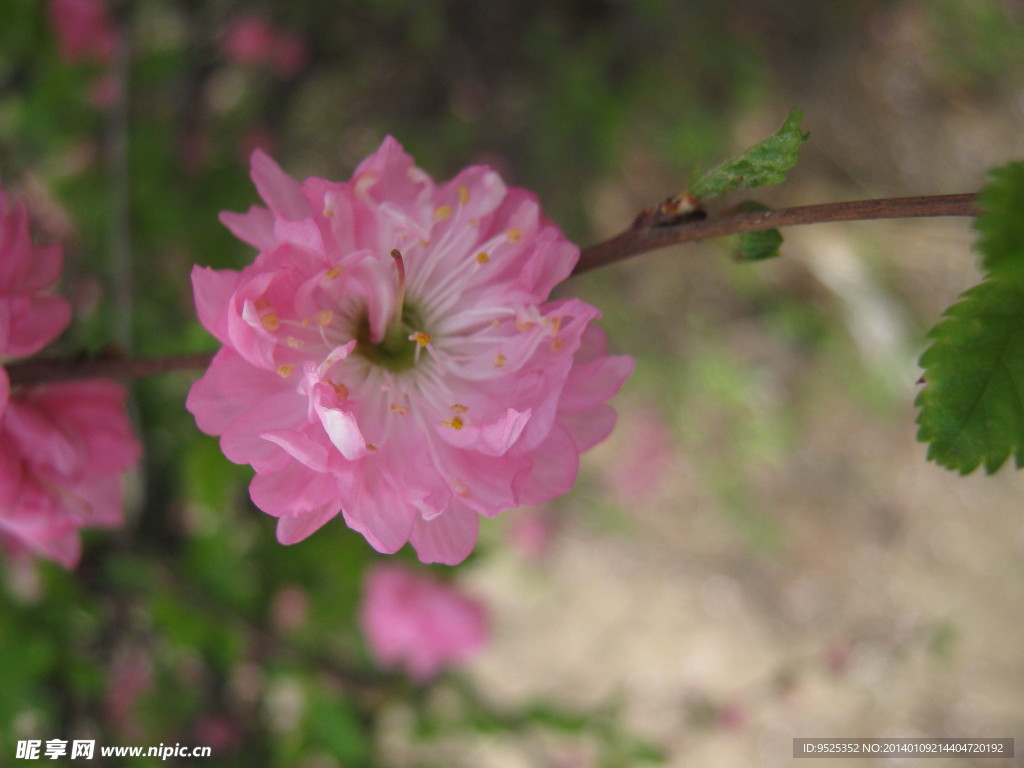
[
  {"x": 419, "y": 624},
  {"x": 29, "y": 317},
  {"x": 63, "y": 447},
  {"x": 253, "y": 41},
  {"x": 84, "y": 30},
  {"x": 391, "y": 355}
]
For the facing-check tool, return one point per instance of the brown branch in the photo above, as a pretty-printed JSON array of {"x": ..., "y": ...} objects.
[
  {"x": 648, "y": 236},
  {"x": 47, "y": 369},
  {"x": 648, "y": 233}
]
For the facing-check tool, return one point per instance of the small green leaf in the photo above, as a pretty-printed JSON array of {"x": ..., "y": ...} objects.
[
  {"x": 972, "y": 405},
  {"x": 1000, "y": 224},
  {"x": 759, "y": 245},
  {"x": 764, "y": 163}
]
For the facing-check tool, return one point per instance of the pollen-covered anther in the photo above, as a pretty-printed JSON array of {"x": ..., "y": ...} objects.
[
  {"x": 333, "y": 272},
  {"x": 294, "y": 343},
  {"x": 270, "y": 321},
  {"x": 499, "y": 360},
  {"x": 284, "y": 371},
  {"x": 455, "y": 423},
  {"x": 340, "y": 389},
  {"x": 463, "y": 195},
  {"x": 443, "y": 212},
  {"x": 398, "y": 408},
  {"x": 420, "y": 338},
  {"x": 325, "y": 317},
  {"x": 523, "y": 325},
  {"x": 460, "y": 408},
  {"x": 482, "y": 258},
  {"x": 514, "y": 235},
  {"x": 556, "y": 344},
  {"x": 371, "y": 447}
]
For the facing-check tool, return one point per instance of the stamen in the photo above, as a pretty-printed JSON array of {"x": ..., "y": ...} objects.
[
  {"x": 421, "y": 338},
  {"x": 463, "y": 195},
  {"x": 271, "y": 321},
  {"x": 455, "y": 423},
  {"x": 459, "y": 408},
  {"x": 482, "y": 258},
  {"x": 514, "y": 235},
  {"x": 396, "y": 320},
  {"x": 284, "y": 371},
  {"x": 333, "y": 272}
]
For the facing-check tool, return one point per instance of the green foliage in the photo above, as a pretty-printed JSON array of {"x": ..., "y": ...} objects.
[
  {"x": 972, "y": 405},
  {"x": 972, "y": 409},
  {"x": 759, "y": 245},
  {"x": 764, "y": 163},
  {"x": 1001, "y": 222}
]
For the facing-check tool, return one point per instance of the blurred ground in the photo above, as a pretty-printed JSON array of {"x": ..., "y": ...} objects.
[{"x": 796, "y": 568}]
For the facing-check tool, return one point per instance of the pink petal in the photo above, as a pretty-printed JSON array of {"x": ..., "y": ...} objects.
[
  {"x": 280, "y": 191},
  {"x": 448, "y": 538},
  {"x": 493, "y": 439},
  {"x": 213, "y": 289},
  {"x": 256, "y": 227}
]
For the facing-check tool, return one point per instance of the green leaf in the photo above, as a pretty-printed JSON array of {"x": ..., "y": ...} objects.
[
  {"x": 1000, "y": 224},
  {"x": 972, "y": 406},
  {"x": 760, "y": 245},
  {"x": 764, "y": 163}
]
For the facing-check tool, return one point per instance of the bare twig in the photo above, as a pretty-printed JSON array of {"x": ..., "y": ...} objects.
[
  {"x": 649, "y": 235},
  {"x": 46, "y": 369}
]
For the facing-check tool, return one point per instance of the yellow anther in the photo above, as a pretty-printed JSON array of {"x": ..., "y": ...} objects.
[
  {"x": 459, "y": 408},
  {"x": 463, "y": 195},
  {"x": 333, "y": 272},
  {"x": 325, "y": 317},
  {"x": 443, "y": 212},
  {"x": 499, "y": 360},
  {"x": 456, "y": 423},
  {"x": 340, "y": 389},
  {"x": 271, "y": 321},
  {"x": 420, "y": 338},
  {"x": 401, "y": 410},
  {"x": 514, "y": 235},
  {"x": 371, "y": 447},
  {"x": 556, "y": 344},
  {"x": 284, "y": 371},
  {"x": 294, "y": 343},
  {"x": 522, "y": 325},
  {"x": 482, "y": 257}
]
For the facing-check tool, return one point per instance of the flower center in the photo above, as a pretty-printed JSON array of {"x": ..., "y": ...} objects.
[{"x": 396, "y": 352}]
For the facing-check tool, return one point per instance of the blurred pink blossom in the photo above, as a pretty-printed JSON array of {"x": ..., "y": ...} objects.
[
  {"x": 530, "y": 531},
  {"x": 63, "y": 447},
  {"x": 253, "y": 41},
  {"x": 391, "y": 355},
  {"x": 644, "y": 460},
  {"x": 419, "y": 624},
  {"x": 83, "y": 29}
]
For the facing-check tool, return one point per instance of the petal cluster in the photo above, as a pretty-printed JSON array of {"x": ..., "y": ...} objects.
[
  {"x": 63, "y": 447},
  {"x": 392, "y": 354},
  {"x": 419, "y": 624}
]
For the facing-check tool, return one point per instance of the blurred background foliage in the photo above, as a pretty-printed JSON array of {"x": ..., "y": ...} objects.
[{"x": 772, "y": 401}]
